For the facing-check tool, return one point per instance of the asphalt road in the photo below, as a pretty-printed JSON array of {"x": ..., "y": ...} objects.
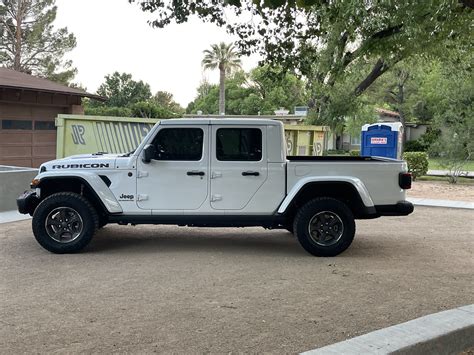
[{"x": 171, "y": 289}]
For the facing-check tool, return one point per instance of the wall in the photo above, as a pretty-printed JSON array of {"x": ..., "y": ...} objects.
[
  {"x": 13, "y": 181},
  {"x": 27, "y": 130}
]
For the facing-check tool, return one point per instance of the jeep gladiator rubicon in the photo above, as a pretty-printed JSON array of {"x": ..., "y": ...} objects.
[{"x": 214, "y": 173}]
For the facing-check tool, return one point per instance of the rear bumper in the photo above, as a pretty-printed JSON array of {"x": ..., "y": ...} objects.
[
  {"x": 27, "y": 202},
  {"x": 401, "y": 208}
]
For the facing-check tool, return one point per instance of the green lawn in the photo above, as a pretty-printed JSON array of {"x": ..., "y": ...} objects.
[{"x": 433, "y": 164}]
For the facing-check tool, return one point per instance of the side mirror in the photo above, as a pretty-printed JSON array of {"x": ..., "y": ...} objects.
[{"x": 148, "y": 153}]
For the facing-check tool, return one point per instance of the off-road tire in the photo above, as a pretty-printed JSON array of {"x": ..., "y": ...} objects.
[
  {"x": 301, "y": 226},
  {"x": 88, "y": 214}
]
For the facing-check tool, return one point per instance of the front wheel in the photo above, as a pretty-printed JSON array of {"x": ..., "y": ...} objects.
[
  {"x": 324, "y": 227},
  {"x": 64, "y": 222}
]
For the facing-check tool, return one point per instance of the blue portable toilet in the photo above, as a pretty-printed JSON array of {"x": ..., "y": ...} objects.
[{"x": 382, "y": 140}]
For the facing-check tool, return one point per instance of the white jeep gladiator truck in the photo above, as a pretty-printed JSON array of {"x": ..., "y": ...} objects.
[{"x": 214, "y": 173}]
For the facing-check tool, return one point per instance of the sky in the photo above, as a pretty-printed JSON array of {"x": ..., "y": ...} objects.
[{"x": 113, "y": 35}]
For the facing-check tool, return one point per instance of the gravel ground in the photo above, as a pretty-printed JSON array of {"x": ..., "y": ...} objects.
[
  {"x": 183, "y": 290},
  {"x": 442, "y": 191}
]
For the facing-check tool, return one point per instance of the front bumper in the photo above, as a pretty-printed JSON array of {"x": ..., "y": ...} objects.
[
  {"x": 27, "y": 202},
  {"x": 401, "y": 208}
]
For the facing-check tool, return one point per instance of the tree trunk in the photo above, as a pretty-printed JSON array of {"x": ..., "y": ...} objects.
[
  {"x": 17, "y": 45},
  {"x": 221, "y": 90}
]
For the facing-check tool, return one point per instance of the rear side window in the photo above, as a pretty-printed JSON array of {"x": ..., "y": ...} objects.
[
  {"x": 179, "y": 144},
  {"x": 239, "y": 144}
]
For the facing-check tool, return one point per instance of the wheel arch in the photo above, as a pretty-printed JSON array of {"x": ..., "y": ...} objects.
[
  {"x": 351, "y": 191},
  {"x": 93, "y": 188}
]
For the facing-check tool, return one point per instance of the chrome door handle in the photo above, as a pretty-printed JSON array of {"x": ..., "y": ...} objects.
[{"x": 250, "y": 173}]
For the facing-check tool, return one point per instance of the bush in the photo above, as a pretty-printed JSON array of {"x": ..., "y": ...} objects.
[
  {"x": 415, "y": 146},
  {"x": 354, "y": 153},
  {"x": 108, "y": 111},
  {"x": 417, "y": 163}
]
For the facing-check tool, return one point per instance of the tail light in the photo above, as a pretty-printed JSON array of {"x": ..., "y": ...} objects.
[{"x": 404, "y": 180}]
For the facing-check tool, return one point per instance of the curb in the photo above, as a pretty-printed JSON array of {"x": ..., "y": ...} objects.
[
  {"x": 446, "y": 332},
  {"x": 12, "y": 216},
  {"x": 441, "y": 203}
]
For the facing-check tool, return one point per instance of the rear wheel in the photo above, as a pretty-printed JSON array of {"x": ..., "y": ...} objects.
[
  {"x": 324, "y": 227},
  {"x": 64, "y": 222}
]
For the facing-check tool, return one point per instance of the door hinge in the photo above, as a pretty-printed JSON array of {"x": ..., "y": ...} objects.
[
  {"x": 215, "y": 198},
  {"x": 141, "y": 197},
  {"x": 141, "y": 174},
  {"x": 216, "y": 174}
]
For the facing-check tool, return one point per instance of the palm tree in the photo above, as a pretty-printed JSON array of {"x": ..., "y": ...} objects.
[{"x": 225, "y": 58}]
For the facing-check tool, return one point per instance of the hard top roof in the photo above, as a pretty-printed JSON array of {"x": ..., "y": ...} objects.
[{"x": 221, "y": 121}]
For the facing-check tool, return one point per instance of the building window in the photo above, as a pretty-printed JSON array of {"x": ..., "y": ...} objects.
[
  {"x": 17, "y": 124},
  {"x": 239, "y": 144},
  {"x": 44, "y": 126},
  {"x": 179, "y": 144}
]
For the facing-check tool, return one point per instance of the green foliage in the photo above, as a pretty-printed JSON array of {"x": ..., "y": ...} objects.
[
  {"x": 341, "y": 47},
  {"x": 354, "y": 153},
  {"x": 107, "y": 111},
  {"x": 416, "y": 145},
  {"x": 417, "y": 163},
  {"x": 122, "y": 91},
  {"x": 165, "y": 99},
  {"x": 224, "y": 57},
  {"x": 335, "y": 152},
  {"x": 150, "y": 110},
  {"x": 263, "y": 91},
  {"x": 451, "y": 96},
  {"x": 30, "y": 43}
]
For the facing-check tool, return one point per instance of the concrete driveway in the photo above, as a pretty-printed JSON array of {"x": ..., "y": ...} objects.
[{"x": 171, "y": 289}]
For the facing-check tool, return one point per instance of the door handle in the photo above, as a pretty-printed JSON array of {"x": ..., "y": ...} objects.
[
  {"x": 250, "y": 173},
  {"x": 195, "y": 173}
]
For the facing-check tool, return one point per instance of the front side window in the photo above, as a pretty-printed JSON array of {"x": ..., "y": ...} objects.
[
  {"x": 179, "y": 144},
  {"x": 239, "y": 144}
]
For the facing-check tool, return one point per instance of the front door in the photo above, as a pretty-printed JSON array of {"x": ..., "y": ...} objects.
[
  {"x": 238, "y": 165},
  {"x": 177, "y": 179}
]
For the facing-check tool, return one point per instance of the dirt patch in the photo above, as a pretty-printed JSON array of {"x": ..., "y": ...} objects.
[
  {"x": 442, "y": 191},
  {"x": 178, "y": 290}
]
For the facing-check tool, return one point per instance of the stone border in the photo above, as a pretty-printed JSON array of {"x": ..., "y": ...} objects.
[{"x": 446, "y": 332}]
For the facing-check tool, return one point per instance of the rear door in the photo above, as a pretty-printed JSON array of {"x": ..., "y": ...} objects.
[
  {"x": 178, "y": 177},
  {"x": 238, "y": 165}
]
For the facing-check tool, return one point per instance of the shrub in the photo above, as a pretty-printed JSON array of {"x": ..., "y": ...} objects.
[
  {"x": 417, "y": 163},
  {"x": 354, "y": 153},
  {"x": 108, "y": 111},
  {"x": 415, "y": 146}
]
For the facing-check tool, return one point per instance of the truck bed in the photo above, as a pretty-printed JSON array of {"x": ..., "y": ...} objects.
[
  {"x": 337, "y": 158},
  {"x": 379, "y": 175}
]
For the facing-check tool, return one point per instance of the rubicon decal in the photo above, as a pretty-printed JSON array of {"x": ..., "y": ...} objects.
[{"x": 82, "y": 166}]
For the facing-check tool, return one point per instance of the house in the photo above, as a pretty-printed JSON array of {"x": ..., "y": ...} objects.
[{"x": 28, "y": 108}]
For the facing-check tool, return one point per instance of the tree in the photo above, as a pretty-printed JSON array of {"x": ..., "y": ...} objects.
[
  {"x": 29, "y": 43},
  {"x": 263, "y": 91},
  {"x": 225, "y": 58},
  {"x": 325, "y": 40},
  {"x": 165, "y": 99},
  {"x": 122, "y": 91},
  {"x": 449, "y": 91}
]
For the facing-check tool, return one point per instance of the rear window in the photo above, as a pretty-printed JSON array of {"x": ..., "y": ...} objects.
[{"x": 239, "y": 144}]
